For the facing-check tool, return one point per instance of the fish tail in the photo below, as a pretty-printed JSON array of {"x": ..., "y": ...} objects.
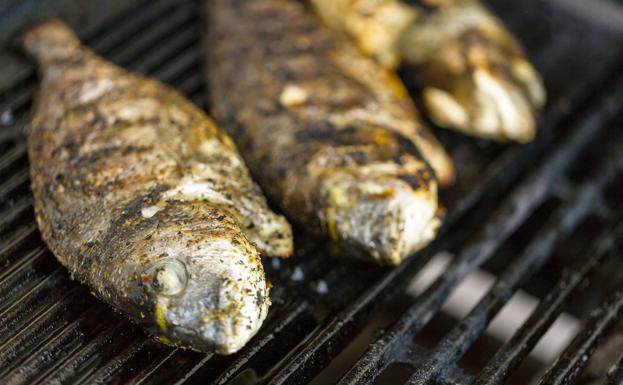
[{"x": 50, "y": 41}]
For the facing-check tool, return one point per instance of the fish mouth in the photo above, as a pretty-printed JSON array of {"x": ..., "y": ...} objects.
[
  {"x": 180, "y": 336},
  {"x": 214, "y": 299},
  {"x": 475, "y": 76},
  {"x": 384, "y": 218},
  {"x": 223, "y": 329},
  {"x": 492, "y": 106}
]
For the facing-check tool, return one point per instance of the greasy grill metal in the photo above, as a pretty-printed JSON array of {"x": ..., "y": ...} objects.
[{"x": 52, "y": 330}]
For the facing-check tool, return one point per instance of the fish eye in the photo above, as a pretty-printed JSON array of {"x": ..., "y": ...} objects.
[{"x": 167, "y": 277}]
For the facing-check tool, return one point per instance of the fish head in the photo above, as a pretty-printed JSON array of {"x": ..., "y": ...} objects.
[
  {"x": 382, "y": 211},
  {"x": 205, "y": 285},
  {"x": 492, "y": 94},
  {"x": 49, "y": 41},
  {"x": 474, "y": 74}
]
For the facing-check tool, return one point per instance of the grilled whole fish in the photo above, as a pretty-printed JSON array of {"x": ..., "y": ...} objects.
[
  {"x": 474, "y": 74},
  {"x": 146, "y": 201},
  {"x": 328, "y": 133}
]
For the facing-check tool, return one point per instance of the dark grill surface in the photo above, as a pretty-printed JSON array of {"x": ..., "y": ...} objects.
[{"x": 543, "y": 218}]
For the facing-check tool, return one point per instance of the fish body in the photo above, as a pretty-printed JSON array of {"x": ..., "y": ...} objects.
[
  {"x": 474, "y": 74},
  {"x": 329, "y": 134},
  {"x": 144, "y": 199}
]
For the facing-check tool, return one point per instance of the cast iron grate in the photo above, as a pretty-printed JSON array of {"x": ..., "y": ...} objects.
[{"x": 53, "y": 331}]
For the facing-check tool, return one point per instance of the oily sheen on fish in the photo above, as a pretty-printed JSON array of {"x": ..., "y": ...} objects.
[
  {"x": 145, "y": 200},
  {"x": 328, "y": 133}
]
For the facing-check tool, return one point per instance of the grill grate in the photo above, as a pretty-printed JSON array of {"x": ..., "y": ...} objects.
[{"x": 52, "y": 331}]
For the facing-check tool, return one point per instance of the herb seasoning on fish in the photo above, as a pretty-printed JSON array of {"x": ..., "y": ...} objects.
[
  {"x": 328, "y": 133},
  {"x": 145, "y": 200},
  {"x": 474, "y": 74}
]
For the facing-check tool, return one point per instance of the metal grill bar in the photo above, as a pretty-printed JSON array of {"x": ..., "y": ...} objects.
[
  {"x": 524, "y": 340},
  {"x": 37, "y": 301},
  {"x": 110, "y": 35},
  {"x": 110, "y": 370},
  {"x": 23, "y": 343},
  {"x": 138, "y": 364},
  {"x": 100, "y": 41},
  {"x": 557, "y": 228},
  {"x": 24, "y": 277},
  {"x": 575, "y": 357},
  {"x": 154, "y": 366},
  {"x": 292, "y": 313},
  {"x": 17, "y": 152},
  {"x": 12, "y": 244},
  {"x": 175, "y": 21},
  {"x": 615, "y": 377},
  {"x": 102, "y": 347},
  {"x": 10, "y": 185},
  {"x": 18, "y": 209},
  {"x": 183, "y": 38},
  {"x": 68, "y": 334},
  {"x": 7, "y": 135}
]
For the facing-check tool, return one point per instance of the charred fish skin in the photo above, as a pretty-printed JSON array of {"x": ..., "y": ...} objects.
[
  {"x": 330, "y": 136},
  {"x": 145, "y": 200},
  {"x": 474, "y": 74}
]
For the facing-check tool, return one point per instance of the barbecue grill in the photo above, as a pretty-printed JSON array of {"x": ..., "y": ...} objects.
[{"x": 543, "y": 220}]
